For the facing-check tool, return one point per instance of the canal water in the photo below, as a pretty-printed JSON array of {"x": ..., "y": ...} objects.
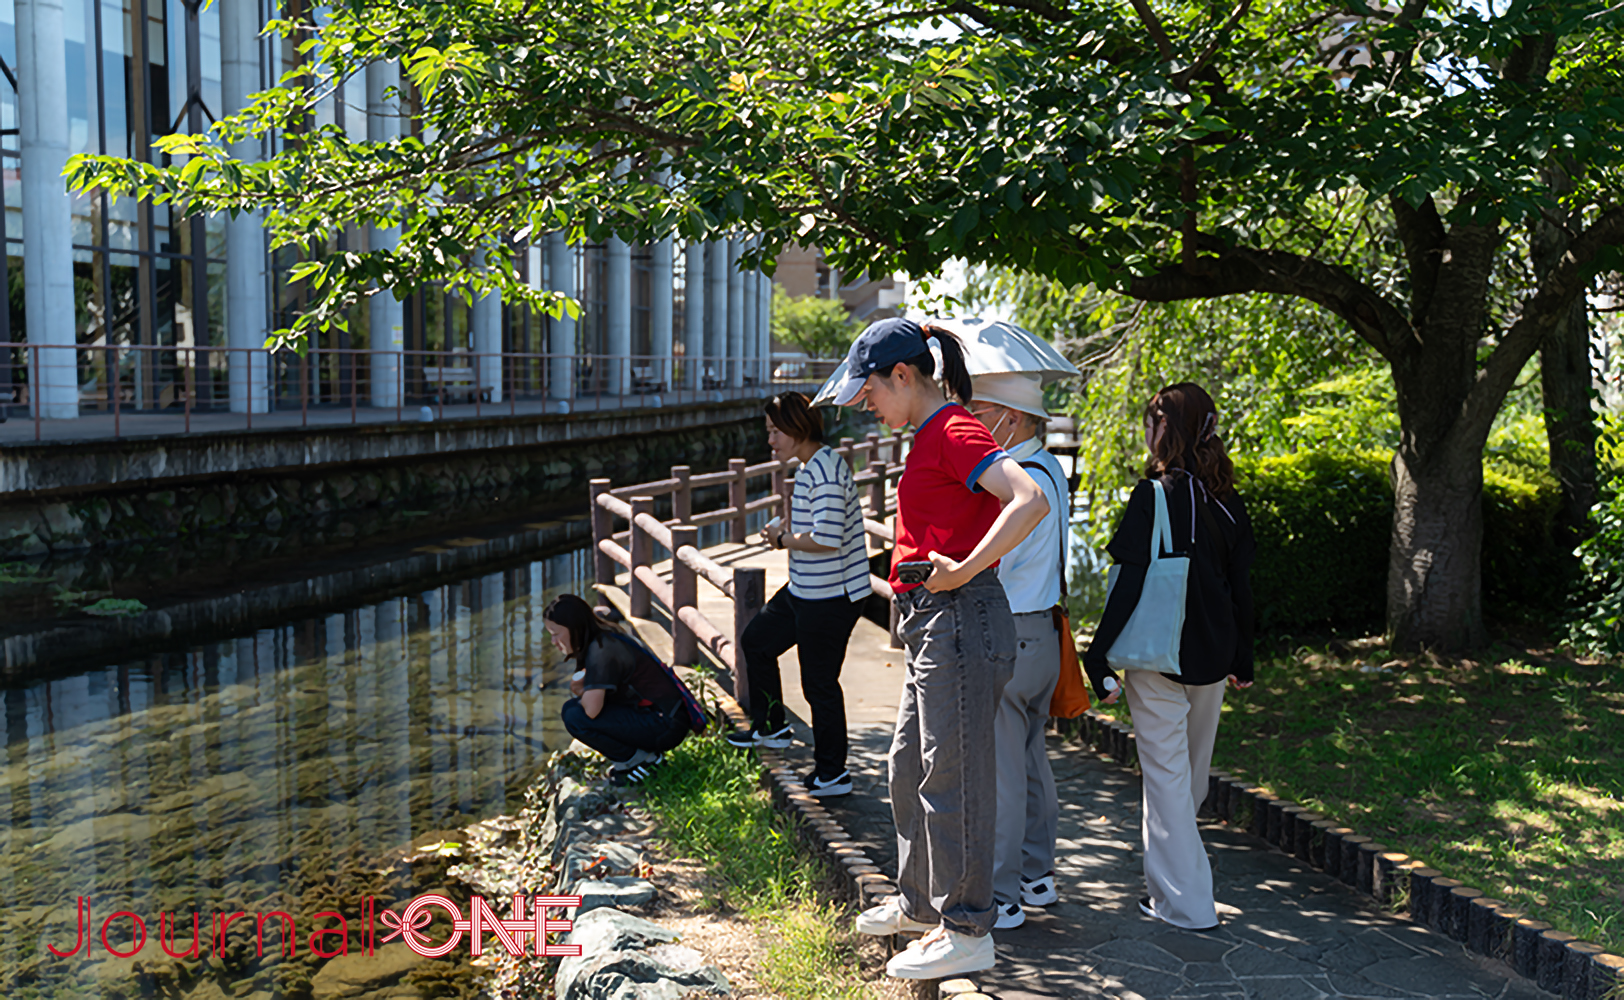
[{"x": 266, "y": 772}]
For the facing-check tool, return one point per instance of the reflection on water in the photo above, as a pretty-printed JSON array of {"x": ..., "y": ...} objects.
[{"x": 269, "y": 769}]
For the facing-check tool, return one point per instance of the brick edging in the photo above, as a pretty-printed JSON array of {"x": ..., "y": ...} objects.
[{"x": 1557, "y": 962}]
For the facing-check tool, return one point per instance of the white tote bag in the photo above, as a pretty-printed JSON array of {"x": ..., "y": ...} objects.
[{"x": 1150, "y": 640}]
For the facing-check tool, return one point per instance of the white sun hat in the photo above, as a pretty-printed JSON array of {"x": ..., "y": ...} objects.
[{"x": 1020, "y": 391}]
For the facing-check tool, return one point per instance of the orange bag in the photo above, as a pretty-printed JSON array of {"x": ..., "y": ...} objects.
[{"x": 1071, "y": 692}]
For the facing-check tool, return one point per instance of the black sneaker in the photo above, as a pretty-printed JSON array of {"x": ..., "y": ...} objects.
[
  {"x": 821, "y": 787},
  {"x": 636, "y": 774},
  {"x": 744, "y": 739}
]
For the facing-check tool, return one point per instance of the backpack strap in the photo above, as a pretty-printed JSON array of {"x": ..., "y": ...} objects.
[
  {"x": 1062, "y": 492},
  {"x": 698, "y": 718}
]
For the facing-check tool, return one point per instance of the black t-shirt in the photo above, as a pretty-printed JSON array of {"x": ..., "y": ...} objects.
[
  {"x": 1218, "y": 625},
  {"x": 627, "y": 673}
]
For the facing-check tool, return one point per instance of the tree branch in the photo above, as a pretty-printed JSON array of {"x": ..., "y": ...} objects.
[
  {"x": 1422, "y": 233},
  {"x": 1184, "y": 78},
  {"x": 1540, "y": 314},
  {"x": 1153, "y": 24},
  {"x": 1237, "y": 271}
]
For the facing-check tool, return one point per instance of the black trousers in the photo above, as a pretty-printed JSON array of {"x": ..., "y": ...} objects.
[
  {"x": 820, "y": 631},
  {"x": 620, "y": 730}
]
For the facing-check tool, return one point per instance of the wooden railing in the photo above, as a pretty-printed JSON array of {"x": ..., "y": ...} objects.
[{"x": 876, "y": 462}]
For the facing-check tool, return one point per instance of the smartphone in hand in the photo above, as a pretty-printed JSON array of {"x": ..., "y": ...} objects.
[{"x": 914, "y": 572}]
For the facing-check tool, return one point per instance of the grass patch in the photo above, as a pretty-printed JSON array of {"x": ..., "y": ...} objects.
[
  {"x": 711, "y": 807},
  {"x": 1504, "y": 773}
]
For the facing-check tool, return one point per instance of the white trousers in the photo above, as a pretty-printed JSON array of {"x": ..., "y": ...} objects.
[{"x": 1174, "y": 727}]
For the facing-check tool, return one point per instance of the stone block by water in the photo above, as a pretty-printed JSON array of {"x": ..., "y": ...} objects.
[
  {"x": 627, "y": 958},
  {"x": 618, "y": 891}
]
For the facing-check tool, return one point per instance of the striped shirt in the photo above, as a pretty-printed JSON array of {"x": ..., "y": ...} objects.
[{"x": 825, "y": 504}]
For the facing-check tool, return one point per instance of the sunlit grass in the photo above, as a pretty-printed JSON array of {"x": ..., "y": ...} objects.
[
  {"x": 1504, "y": 773},
  {"x": 712, "y": 808}
]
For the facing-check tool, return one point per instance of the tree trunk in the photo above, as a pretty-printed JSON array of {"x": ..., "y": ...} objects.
[
  {"x": 1434, "y": 578},
  {"x": 1570, "y": 423},
  {"x": 1564, "y": 374}
]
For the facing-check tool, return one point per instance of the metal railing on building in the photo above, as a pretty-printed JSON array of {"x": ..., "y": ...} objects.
[
  {"x": 118, "y": 381},
  {"x": 633, "y": 547}
]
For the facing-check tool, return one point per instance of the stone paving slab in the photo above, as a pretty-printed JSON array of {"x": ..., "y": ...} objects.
[{"x": 1288, "y": 932}]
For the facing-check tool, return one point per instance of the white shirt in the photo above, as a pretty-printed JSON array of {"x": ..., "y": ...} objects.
[{"x": 1031, "y": 571}]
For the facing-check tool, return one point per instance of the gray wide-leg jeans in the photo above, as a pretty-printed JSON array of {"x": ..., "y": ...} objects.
[
  {"x": 960, "y": 652},
  {"x": 1028, "y": 808}
]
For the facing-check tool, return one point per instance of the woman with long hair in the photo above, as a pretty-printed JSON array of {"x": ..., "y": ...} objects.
[
  {"x": 1175, "y": 717},
  {"x": 625, "y": 705},
  {"x": 962, "y": 504},
  {"x": 816, "y": 611}
]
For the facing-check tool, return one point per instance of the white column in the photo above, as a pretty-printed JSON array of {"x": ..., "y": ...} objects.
[
  {"x": 659, "y": 310},
  {"x": 735, "y": 315},
  {"x": 485, "y": 326},
  {"x": 42, "y": 99},
  {"x": 749, "y": 344},
  {"x": 617, "y": 294},
  {"x": 693, "y": 314},
  {"x": 716, "y": 308},
  {"x": 386, "y": 331},
  {"x": 764, "y": 320},
  {"x": 561, "y": 339}
]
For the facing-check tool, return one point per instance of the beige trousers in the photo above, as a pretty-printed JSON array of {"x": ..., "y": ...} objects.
[{"x": 1174, "y": 727}]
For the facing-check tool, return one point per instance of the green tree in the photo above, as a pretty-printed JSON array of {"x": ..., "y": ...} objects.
[
  {"x": 820, "y": 327},
  {"x": 1167, "y": 149}
]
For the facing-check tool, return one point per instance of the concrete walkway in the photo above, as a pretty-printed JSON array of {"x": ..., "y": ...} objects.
[{"x": 1288, "y": 931}]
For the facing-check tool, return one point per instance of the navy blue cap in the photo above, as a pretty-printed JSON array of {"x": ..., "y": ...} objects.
[{"x": 883, "y": 344}]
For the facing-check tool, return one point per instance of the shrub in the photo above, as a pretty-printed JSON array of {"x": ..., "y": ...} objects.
[
  {"x": 1598, "y": 625},
  {"x": 1324, "y": 521}
]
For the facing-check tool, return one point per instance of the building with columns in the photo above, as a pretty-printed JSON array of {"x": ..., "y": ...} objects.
[{"x": 128, "y": 304}]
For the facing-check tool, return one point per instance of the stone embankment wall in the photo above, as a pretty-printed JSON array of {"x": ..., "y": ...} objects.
[
  {"x": 159, "y": 489},
  {"x": 577, "y": 839}
]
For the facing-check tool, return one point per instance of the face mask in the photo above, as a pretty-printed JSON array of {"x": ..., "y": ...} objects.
[{"x": 993, "y": 430}]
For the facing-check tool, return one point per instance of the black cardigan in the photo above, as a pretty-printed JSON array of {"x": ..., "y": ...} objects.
[{"x": 1218, "y": 619}]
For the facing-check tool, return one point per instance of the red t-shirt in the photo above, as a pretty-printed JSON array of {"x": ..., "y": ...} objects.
[{"x": 939, "y": 506}]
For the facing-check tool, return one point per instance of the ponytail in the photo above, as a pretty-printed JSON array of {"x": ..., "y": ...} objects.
[
  {"x": 955, "y": 375},
  {"x": 955, "y": 378}
]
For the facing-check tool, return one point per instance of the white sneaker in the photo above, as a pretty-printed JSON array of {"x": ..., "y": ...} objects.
[
  {"x": 943, "y": 954},
  {"x": 887, "y": 918},
  {"x": 1039, "y": 891},
  {"x": 1010, "y": 916}
]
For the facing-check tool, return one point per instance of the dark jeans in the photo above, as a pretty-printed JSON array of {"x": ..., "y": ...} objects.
[
  {"x": 620, "y": 730},
  {"x": 820, "y": 631}
]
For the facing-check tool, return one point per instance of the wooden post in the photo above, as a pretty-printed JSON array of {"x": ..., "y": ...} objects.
[
  {"x": 872, "y": 449},
  {"x": 876, "y": 489},
  {"x": 749, "y": 595},
  {"x": 641, "y": 548},
  {"x": 896, "y": 448},
  {"x": 784, "y": 483},
  {"x": 737, "y": 496},
  {"x": 603, "y": 527},
  {"x": 684, "y": 594},
  {"x": 848, "y": 448},
  {"x": 682, "y": 498}
]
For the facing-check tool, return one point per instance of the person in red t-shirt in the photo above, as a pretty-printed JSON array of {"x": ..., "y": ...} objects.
[{"x": 961, "y": 505}]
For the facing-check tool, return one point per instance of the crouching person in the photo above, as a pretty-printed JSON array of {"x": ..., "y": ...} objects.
[{"x": 627, "y": 705}]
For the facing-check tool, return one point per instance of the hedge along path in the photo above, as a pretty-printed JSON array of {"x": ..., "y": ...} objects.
[{"x": 1317, "y": 509}]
